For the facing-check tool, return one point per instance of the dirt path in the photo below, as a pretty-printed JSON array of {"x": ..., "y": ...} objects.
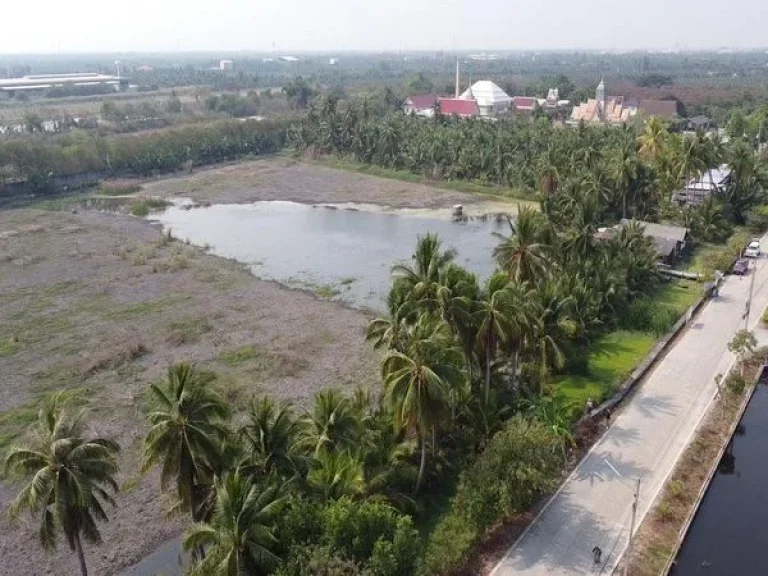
[
  {"x": 101, "y": 303},
  {"x": 280, "y": 178}
]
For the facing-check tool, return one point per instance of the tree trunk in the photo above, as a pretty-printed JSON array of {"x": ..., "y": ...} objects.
[
  {"x": 624, "y": 205},
  {"x": 80, "y": 555},
  {"x": 487, "y": 389},
  {"x": 422, "y": 464}
]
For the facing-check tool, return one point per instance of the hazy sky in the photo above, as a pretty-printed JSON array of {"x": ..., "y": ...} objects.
[{"x": 170, "y": 25}]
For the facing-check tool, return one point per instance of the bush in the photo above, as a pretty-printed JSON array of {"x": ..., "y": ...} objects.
[
  {"x": 347, "y": 537},
  {"x": 646, "y": 315},
  {"x": 521, "y": 463},
  {"x": 764, "y": 317},
  {"x": 140, "y": 209}
]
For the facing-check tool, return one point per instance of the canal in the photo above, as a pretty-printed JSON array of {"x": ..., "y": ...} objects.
[{"x": 729, "y": 535}]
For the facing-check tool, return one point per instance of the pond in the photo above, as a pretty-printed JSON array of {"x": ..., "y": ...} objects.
[
  {"x": 728, "y": 534},
  {"x": 337, "y": 252}
]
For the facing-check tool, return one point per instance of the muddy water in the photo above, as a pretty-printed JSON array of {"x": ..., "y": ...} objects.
[
  {"x": 342, "y": 251},
  {"x": 729, "y": 535}
]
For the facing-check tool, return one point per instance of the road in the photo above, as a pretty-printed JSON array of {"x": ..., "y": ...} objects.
[{"x": 594, "y": 505}]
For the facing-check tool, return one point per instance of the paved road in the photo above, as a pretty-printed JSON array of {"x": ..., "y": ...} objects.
[{"x": 593, "y": 507}]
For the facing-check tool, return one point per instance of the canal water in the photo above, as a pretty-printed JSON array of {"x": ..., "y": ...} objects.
[{"x": 729, "y": 535}]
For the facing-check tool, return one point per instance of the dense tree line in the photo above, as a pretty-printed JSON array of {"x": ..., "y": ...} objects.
[
  {"x": 39, "y": 160},
  {"x": 632, "y": 171}
]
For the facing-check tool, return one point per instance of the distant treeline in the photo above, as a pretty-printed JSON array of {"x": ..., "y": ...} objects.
[{"x": 41, "y": 160}]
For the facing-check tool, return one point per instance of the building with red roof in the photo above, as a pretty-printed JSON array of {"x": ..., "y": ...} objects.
[
  {"x": 524, "y": 103},
  {"x": 420, "y": 103},
  {"x": 458, "y": 107}
]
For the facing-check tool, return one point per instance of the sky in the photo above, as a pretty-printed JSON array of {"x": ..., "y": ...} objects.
[{"x": 63, "y": 26}]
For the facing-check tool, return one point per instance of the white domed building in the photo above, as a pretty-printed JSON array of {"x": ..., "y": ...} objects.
[{"x": 491, "y": 100}]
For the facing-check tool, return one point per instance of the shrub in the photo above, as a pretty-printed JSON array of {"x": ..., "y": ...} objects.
[
  {"x": 140, "y": 209},
  {"x": 646, "y": 315},
  {"x": 521, "y": 463},
  {"x": 764, "y": 317},
  {"x": 356, "y": 529},
  {"x": 347, "y": 537}
]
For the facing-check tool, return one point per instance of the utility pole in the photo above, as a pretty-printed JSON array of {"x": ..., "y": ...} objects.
[{"x": 631, "y": 527}]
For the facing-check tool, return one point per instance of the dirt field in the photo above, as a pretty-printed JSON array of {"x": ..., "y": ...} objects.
[
  {"x": 101, "y": 303},
  {"x": 280, "y": 178}
]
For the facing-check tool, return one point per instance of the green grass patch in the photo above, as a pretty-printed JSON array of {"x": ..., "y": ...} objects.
[
  {"x": 611, "y": 359},
  {"x": 140, "y": 309},
  {"x": 347, "y": 281},
  {"x": 188, "y": 330},
  {"x": 262, "y": 363},
  {"x": 240, "y": 355},
  {"x": 406, "y": 176},
  {"x": 8, "y": 347},
  {"x": 679, "y": 295},
  {"x": 118, "y": 190},
  {"x": 140, "y": 209},
  {"x": 326, "y": 291}
]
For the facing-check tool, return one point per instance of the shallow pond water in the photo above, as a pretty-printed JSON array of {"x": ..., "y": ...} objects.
[
  {"x": 728, "y": 535},
  {"x": 339, "y": 251}
]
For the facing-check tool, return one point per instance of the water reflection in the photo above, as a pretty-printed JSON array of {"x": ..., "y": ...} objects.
[{"x": 347, "y": 252}]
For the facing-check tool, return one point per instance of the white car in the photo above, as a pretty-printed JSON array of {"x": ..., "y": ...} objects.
[{"x": 753, "y": 249}]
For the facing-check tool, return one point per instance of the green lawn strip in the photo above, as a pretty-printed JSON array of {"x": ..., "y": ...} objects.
[
  {"x": 612, "y": 358},
  {"x": 615, "y": 354},
  {"x": 679, "y": 295},
  {"x": 406, "y": 176}
]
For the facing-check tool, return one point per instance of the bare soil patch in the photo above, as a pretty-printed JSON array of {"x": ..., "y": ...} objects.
[
  {"x": 104, "y": 303},
  {"x": 280, "y": 178}
]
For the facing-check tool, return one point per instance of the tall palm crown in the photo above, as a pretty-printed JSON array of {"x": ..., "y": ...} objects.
[
  {"x": 419, "y": 380},
  {"x": 71, "y": 477},
  {"x": 421, "y": 280},
  {"x": 524, "y": 254},
  {"x": 332, "y": 426},
  {"x": 270, "y": 432},
  {"x": 186, "y": 434},
  {"x": 239, "y": 538},
  {"x": 653, "y": 138}
]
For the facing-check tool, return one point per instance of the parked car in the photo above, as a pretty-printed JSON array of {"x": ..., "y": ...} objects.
[
  {"x": 753, "y": 249},
  {"x": 741, "y": 267}
]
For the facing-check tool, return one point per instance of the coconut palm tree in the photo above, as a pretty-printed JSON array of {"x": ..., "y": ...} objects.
[
  {"x": 418, "y": 381},
  {"x": 336, "y": 474},
  {"x": 71, "y": 476},
  {"x": 420, "y": 282},
  {"x": 186, "y": 435},
  {"x": 653, "y": 139},
  {"x": 239, "y": 537},
  {"x": 524, "y": 254},
  {"x": 502, "y": 319},
  {"x": 625, "y": 172},
  {"x": 269, "y": 435},
  {"x": 333, "y": 425}
]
